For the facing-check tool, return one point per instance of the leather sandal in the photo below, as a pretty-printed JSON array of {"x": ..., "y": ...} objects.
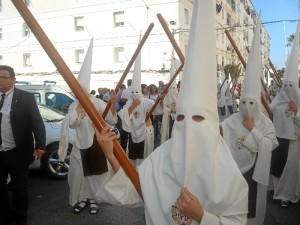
[
  {"x": 284, "y": 204},
  {"x": 93, "y": 207},
  {"x": 80, "y": 206}
]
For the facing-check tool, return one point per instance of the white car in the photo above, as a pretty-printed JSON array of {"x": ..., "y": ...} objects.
[
  {"x": 49, "y": 161},
  {"x": 54, "y": 96}
]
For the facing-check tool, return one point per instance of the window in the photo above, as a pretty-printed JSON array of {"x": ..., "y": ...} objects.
[
  {"x": 0, "y": 32},
  {"x": 228, "y": 21},
  {"x": 233, "y": 6},
  {"x": 79, "y": 23},
  {"x": 37, "y": 97},
  {"x": 58, "y": 101},
  {"x": 186, "y": 16},
  {"x": 26, "y": 60},
  {"x": 119, "y": 55},
  {"x": 246, "y": 36},
  {"x": 26, "y": 30},
  {"x": 119, "y": 19},
  {"x": 79, "y": 56}
]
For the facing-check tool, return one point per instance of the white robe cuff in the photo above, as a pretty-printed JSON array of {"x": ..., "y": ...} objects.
[
  {"x": 297, "y": 118},
  {"x": 211, "y": 219}
]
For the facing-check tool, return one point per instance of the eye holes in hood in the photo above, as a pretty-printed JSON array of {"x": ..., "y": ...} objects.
[
  {"x": 289, "y": 85},
  {"x": 196, "y": 118},
  {"x": 251, "y": 103}
]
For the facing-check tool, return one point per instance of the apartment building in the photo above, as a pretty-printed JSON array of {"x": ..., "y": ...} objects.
[{"x": 115, "y": 26}]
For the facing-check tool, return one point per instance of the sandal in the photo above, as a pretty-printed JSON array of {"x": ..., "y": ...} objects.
[
  {"x": 284, "y": 204},
  {"x": 80, "y": 206},
  {"x": 93, "y": 207}
]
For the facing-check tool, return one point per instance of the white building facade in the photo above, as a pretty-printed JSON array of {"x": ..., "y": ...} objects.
[{"x": 115, "y": 26}]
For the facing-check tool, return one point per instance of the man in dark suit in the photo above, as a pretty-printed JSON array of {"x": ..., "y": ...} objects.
[{"x": 20, "y": 120}]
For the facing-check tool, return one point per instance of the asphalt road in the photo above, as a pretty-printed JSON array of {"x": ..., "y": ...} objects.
[{"x": 49, "y": 206}]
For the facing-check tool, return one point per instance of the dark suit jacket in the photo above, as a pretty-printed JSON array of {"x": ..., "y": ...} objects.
[{"x": 26, "y": 121}]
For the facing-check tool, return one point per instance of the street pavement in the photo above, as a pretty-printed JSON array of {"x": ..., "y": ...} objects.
[{"x": 48, "y": 205}]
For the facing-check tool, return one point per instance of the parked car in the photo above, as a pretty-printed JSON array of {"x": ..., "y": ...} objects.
[
  {"x": 54, "y": 96},
  {"x": 49, "y": 161}
]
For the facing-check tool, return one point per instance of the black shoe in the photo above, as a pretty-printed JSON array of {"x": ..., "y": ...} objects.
[
  {"x": 21, "y": 220},
  {"x": 284, "y": 204}
]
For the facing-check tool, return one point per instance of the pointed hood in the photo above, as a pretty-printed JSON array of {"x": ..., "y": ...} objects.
[
  {"x": 292, "y": 67},
  {"x": 221, "y": 92},
  {"x": 84, "y": 76},
  {"x": 269, "y": 79},
  {"x": 290, "y": 88},
  {"x": 228, "y": 82},
  {"x": 250, "y": 104},
  {"x": 171, "y": 97},
  {"x": 136, "y": 77},
  {"x": 282, "y": 115},
  {"x": 201, "y": 65},
  {"x": 219, "y": 79},
  {"x": 252, "y": 83},
  {"x": 222, "y": 78},
  {"x": 198, "y": 153},
  {"x": 174, "y": 66}
]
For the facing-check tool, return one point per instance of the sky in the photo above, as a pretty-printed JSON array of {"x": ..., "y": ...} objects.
[{"x": 278, "y": 10}]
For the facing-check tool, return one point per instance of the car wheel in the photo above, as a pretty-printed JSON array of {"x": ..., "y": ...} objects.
[{"x": 51, "y": 164}]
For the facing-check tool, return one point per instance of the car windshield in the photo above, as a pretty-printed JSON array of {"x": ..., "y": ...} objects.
[{"x": 49, "y": 114}]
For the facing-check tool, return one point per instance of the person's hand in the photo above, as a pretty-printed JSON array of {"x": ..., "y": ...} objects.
[
  {"x": 189, "y": 205},
  {"x": 79, "y": 108},
  {"x": 248, "y": 122},
  {"x": 105, "y": 140},
  {"x": 38, "y": 153},
  {"x": 162, "y": 96},
  {"x": 293, "y": 107},
  {"x": 136, "y": 102},
  {"x": 113, "y": 97}
]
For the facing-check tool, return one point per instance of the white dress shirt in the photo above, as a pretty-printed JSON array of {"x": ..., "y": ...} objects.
[{"x": 8, "y": 141}]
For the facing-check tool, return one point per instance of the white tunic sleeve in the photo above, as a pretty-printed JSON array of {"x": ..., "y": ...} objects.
[
  {"x": 262, "y": 142},
  {"x": 74, "y": 118},
  {"x": 126, "y": 125},
  {"x": 297, "y": 118}
]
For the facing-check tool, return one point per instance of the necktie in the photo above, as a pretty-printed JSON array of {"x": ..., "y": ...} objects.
[{"x": 1, "y": 105}]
